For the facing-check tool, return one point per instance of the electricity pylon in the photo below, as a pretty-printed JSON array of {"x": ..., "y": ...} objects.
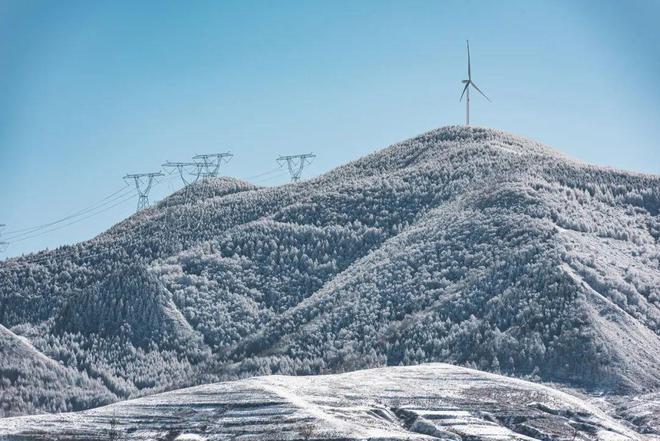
[
  {"x": 209, "y": 164},
  {"x": 296, "y": 163},
  {"x": 143, "y": 183},
  {"x": 3, "y": 245},
  {"x": 182, "y": 169}
]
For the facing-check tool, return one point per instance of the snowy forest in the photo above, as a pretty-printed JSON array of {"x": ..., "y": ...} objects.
[{"x": 463, "y": 245}]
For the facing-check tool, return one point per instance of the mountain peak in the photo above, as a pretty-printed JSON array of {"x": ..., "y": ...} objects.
[{"x": 451, "y": 146}]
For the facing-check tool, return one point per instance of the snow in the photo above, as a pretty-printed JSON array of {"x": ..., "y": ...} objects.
[
  {"x": 396, "y": 403},
  {"x": 189, "y": 437}
]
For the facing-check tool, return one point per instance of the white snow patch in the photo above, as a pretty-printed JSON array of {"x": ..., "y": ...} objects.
[{"x": 189, "y": 437}]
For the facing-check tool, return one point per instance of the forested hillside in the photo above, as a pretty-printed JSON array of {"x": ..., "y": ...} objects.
[
  {"x": 31, "y": 382},
  {"x": 464, "y": 245}
]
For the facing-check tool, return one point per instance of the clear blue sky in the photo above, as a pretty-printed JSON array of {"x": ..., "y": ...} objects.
[{"x": 91, "y": 90}]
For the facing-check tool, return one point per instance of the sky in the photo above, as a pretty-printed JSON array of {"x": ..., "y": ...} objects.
[{"x": 91, "y": 91}]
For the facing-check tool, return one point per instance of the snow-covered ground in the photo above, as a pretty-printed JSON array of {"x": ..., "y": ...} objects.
[{"x": 424, "y": 402}]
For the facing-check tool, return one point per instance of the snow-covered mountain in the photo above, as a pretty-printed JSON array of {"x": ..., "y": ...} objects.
[
  {"x": 425, "y": 402},
  {"x": 462, "y": 245}
]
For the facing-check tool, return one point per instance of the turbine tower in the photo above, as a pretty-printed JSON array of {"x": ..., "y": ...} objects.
[
  {"x": 143, "y": 183},
  {"x": 296, "y": 163},
  {"x": 209, "y": 164},
  {"x": 466, "y": 89}
]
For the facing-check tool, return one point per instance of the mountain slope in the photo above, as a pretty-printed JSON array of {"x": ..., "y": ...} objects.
[
  {"x": 464, "y": 245},
  {"x": 426, "y": 402},
  {"x": 31, "y": 382}
]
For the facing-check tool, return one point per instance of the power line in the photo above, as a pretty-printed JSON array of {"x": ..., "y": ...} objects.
[
  {"x": 276, "y": 169},
  {"x": 28, "y": 260},
  {"x": 119, "y": 199},
  {"x": 207, "y": 165},
  {"x": 106, "y": 200},
  {"x": 30, "y": 232},
  {"x": 270, "y": 178},
  {"x": 54, "y": 255},
  {"x": 102, "y": 208},
  {"x": 3, "y": 245},
  {"x": 125, "y": 199}
]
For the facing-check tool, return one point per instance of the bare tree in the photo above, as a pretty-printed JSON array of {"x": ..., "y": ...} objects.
[
  {"x": 307, "y": 431},
  {"x": 113, "y": 433}
]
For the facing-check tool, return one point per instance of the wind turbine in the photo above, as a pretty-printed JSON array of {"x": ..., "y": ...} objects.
[{"x": 466, "y": 89}]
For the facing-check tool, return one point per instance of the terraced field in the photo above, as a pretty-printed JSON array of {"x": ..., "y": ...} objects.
[{"x": 432, "y": 401}]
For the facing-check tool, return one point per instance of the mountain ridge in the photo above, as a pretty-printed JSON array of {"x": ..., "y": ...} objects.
[{"x": 451, "y": 246}]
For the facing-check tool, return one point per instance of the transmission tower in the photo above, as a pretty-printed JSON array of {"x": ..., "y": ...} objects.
[
  {"x": 3, "y": 245},
  {"x": 296, "y": 163},
  {"x": 143, "y": 183},
  {"x": 209, "y": 164},
  {"x": 183, "y": 169}
]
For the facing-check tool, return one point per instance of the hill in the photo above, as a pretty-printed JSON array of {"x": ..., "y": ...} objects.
[
  {"x": 462, "y": 245},
  {"x": 426, "y": 402}
]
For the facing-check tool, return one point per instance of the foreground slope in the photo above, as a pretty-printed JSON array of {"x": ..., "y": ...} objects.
[
  {"x": 426, "y": 402},
  {"x": 464, "y": 245}
]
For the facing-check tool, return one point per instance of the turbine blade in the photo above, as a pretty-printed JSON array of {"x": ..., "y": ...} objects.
[
  {"x": 479, "y": 90},
  {"x": 464, "y": 89},
  {"x": 469, "y": 67}
]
